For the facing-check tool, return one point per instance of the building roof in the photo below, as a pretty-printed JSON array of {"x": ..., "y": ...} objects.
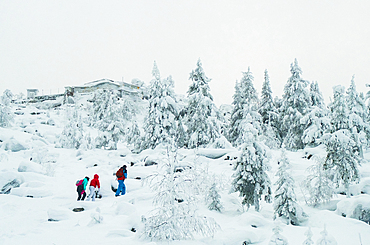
[{"x": 97, "y": 82}]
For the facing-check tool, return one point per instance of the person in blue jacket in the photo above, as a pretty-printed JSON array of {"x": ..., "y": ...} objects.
[
  {"x": 121, "y": 176},
  {"x": 81, "y": 188}
]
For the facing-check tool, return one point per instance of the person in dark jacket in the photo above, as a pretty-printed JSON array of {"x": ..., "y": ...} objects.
[
  {"x": 81, "y": 187},
  {"x": 121, "y": 176},
  {"x": 94, "y": 187}
]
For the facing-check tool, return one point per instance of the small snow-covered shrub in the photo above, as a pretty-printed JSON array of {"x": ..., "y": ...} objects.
[
  {"x": 175, "y": 217},
  {"x": 277, "y": 238},
  {"x": 325, "y": 238},
  {"x": 213, "y": 199},
  {"x": 318, "y": 183}
]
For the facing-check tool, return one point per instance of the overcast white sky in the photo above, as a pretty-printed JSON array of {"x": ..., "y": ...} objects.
[{"x": 52, "y": 44}]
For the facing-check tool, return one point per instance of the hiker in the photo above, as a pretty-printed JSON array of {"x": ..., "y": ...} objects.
[
  {"x": 94, "y": 188},
  {"x": 121, "y": 176},
  {"x": 81, "y": 187}
]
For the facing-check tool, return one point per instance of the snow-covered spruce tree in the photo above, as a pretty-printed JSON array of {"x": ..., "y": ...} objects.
[
  {"x": 132, "y": 136},
  {"x": 342, "y": 148},
  {"x": 341, "y": 158},
  {"x": 213, "y": 198},
  {"x": 129, "y": 109},
  {"x": 269, "y": 115},
  {"x": 357, "y": 116},
  {"x": 73, "y": 131},
  {"x": 245, "y": 101},
  {"x": 267, "y": 107},
  {"x": 250, "y": 177},
  {"x": 6, "y": 116},
  {"x": 339, "y": 110},
  {"x": 175, "y": 217},
  {"x": 317, "y": 121},
  {"x": 203, "y": 127},
  {"x": 107, "y": 117},
  {"x": 295, "y": 104},
  {"x": 318, "y": 183},
  {"x": 343, "y": 119},
  {"x": 285, "y": 201},
  {"x": 181, "y": 136},
  {"x": 277, "y": 238},
  {"x": 309, "y": 235},
  {"x": 160, "y": 125}
]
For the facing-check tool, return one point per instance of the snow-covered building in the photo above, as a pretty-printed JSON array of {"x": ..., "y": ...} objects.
[
  {"x": 103, "y": 84},
  {"x": 32, "y": 93}
]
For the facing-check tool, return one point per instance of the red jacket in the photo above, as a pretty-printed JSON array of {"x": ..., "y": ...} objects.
[{"x": 95, "y": 182}]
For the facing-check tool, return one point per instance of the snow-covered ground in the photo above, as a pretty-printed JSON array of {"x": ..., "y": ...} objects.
[{"x": 39, "y": 211}]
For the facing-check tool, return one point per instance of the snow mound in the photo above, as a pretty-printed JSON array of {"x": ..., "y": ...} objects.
[{"x": 58, "y": 214}]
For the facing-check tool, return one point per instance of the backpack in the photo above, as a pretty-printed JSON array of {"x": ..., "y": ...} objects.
[
  {"x": 119, "y": 173},
  {"x": 79, "y": 182}
]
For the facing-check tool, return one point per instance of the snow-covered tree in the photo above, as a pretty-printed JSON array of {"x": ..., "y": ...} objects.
[
  {"x": 354, "y": 102},
  {"x": 160, "y": 125},
  {"x": 357, "y": 116},
  {"x": 128, "y": 109},
  {"x": 339, "y": 110},
  {"x": 295, "y": 104},
  {"x": 315, "y": 123},
  {"x": 203, "y": 126},
  {"x": 269, "y": 115},
  {"x": 181, "y": 136},
  {"x": 213, "y": 198},
  {"x": 342, "y": 158},
  {"x": 267, "y": 107},
  {"x": 250, "y": 177},
  {"x": 175, "y": 217},
  {"x": 277, "y": 238},
  {"x": 107, "y": 117},
  {"x": 285, "y": 201},
  {"x": 133, "y": 136},
  {"x": 6, "y": 116},
  {"x": 245, "y": 103},
  {"x": 309, "y": 235},
  {"x": 73, "y": 131},
  {"x": 318, "y": 183}
]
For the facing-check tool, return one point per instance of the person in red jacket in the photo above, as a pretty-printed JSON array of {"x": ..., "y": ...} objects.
[
  {"x": 94, "y": 186},
  {"x": 121, "y": 176}
]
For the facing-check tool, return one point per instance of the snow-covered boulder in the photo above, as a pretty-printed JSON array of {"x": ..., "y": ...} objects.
[
  {"x": 214, "y": 153},
  {"x": 10, "y": 180},
  {"x": 30, "y": 167},
  {"x": 365, "y": 186},
  {"x": 13, "y": 145},
  {"x": 357, "y": 207}
]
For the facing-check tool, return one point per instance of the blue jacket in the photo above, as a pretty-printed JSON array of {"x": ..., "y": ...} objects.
[{"x": 85, "y": 182}]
